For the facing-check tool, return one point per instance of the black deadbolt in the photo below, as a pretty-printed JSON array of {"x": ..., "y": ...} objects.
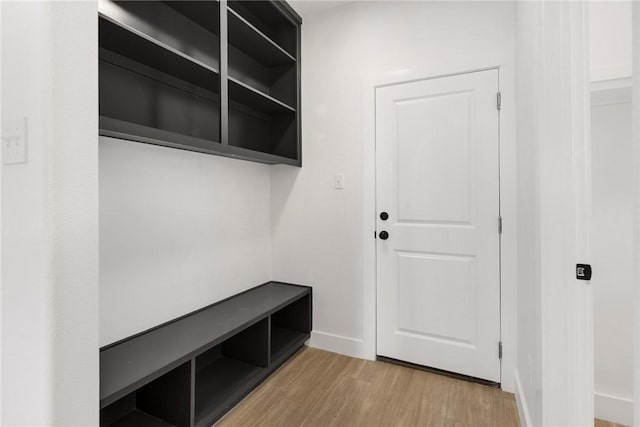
[
  {"x": 384, "y": 216},
  {"x": 583, "y": 272},
  {"x": 383, "y": 235}
]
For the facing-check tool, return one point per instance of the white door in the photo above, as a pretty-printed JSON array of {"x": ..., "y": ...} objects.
[{"x": 438, "y": 271}]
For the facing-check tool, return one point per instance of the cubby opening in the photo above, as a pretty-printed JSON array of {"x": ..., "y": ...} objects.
[
  {"x": 290, "y": 327},
  {"x": 159, "y": 78},
  {"x": 163, "y": 402},
  {"x": 227, "y": 371},
  {"x": 264, "y": 16},
  {"x": 257, "y": 127}
]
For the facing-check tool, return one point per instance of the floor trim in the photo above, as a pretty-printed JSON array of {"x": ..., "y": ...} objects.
[
  {"x": 614, "y": 409},
  {"x": 438, "y": 371},
  {"x": 337, "y": 344},
  {"x": 521, "y": 402}
]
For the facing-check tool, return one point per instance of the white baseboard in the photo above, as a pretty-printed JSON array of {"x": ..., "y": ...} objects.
[
  {"x": 338, "y": 344},
  {"x": 521, "y": 403},
  {"x": 614, "y": 408},
  {"x": 610, "y": 72}
]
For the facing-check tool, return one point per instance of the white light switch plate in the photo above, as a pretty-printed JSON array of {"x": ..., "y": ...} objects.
[
  {"x": 14, "y": 141},
  {"x": 339, "y": 181}
]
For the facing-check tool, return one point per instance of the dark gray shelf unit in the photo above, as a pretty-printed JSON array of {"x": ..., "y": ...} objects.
[
  {"x": 207, "y": 76},
  {"x": 192, "y": 370}
]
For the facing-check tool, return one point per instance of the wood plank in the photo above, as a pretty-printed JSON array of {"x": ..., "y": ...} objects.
[{"x": 319, "y": 388}]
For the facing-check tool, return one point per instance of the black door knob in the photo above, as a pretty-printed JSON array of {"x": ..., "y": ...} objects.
[
  {"x": 383, "y": 235},
  {"x": 384, "y": 216}
]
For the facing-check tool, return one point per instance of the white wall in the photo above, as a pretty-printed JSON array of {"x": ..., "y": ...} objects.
[
  {"x": 610, "y": 39},
  {"x": 528, "y": 60},
  {"x": 610, "y": 60},
  {"x": 25, "y": 287},
  {"x": 178, "y": 231},
  {"x": 555, "y": 346},
  {"x": 613, "y": 257},
  {"x": 50, "y": 216},
  {"x": 318, "y": 231}
]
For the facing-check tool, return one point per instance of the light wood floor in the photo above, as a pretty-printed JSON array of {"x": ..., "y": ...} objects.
[
  {"x": 600, "y": 423},
  {"x": 318, "y": 388}
]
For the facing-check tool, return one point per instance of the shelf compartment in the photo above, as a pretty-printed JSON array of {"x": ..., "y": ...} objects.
[
  {"x": 265, "y": 16},
  {"x": 256, "y": 130},
  {"x": 163, "y": 402},
  {"x": 250, "y": 40},
  {"x": 285, "y": 342},
  {"x": 259, "y": 64},
  {"x": 169, "y": 26},
  {"x": 244, "y": 94},
  {"x": 290, "y": 328},
  {"x": 147, "y": 99},
  {"x": 127, "y": 45},
  {"x": 205, "y": 13},
  {"x": 228, "y": 371}
]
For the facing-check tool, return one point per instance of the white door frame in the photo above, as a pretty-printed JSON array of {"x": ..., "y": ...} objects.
[
  {"x": 563, "y": 169},
  {"x": 460, "y": 65},
  {"x": 636, "y": 143}
]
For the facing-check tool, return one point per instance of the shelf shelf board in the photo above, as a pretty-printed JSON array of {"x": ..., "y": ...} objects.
[
  {"x": 115, "y": 128},
  {"x": 254, "y": 98},
  {"x": 152, "y": 40},
  {"x": 137, "y": 418},
  {"x": 249, "y": 39},
  {"x": 220, "y": 384},
  {"x": 285, "y": 341},
  {"x": 119, "y": 129}
]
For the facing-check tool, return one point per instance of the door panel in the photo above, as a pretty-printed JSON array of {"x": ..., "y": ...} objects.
[
  {"x": 428, "y": 309},
  {"x": 435, "y": 150},
  {"x": 438, "y": 274}
]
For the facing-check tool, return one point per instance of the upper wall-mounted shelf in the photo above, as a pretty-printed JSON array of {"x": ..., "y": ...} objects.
[{"x": 208, "y": 76}]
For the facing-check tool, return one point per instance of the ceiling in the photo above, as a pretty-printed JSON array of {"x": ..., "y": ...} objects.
[{"x": 310, "y": 8}]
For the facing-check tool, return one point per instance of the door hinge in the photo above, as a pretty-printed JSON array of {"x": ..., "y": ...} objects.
[
  {"x": 499, "y": 100},
  {"x": 500, "y": 225},
  {"x": 500, "y": 350}
]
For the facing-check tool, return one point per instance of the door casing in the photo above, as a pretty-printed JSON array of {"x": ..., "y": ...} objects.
[{"x": 504, "y": 64}]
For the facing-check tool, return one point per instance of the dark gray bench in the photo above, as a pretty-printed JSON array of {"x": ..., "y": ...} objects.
[{"x": 192, "y": 370}]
